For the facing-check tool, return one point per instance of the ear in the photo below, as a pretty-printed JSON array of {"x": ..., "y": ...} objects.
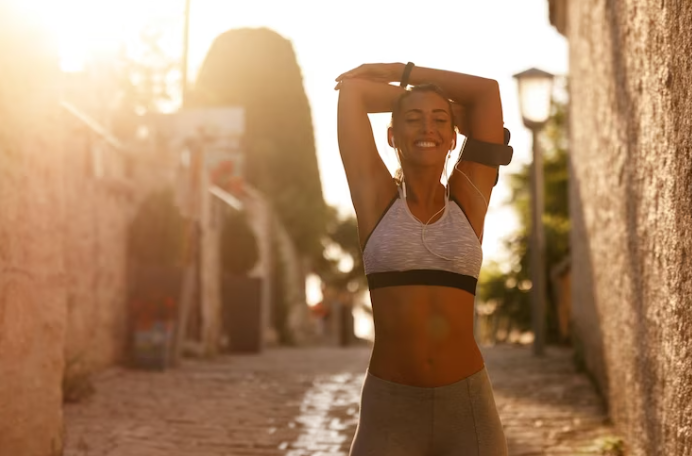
[
  {"x": 454, "y": 143},
  {"x": 390, "y": 137}
]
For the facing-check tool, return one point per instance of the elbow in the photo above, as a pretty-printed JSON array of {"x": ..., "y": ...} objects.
[
  {"x": 352, "y": 94},
  {"x": 351, "y": 88},
  {"x": 492, "y": 89},
  {"x": 490, "y": 95},
  {"x": 487, "y": 92}
]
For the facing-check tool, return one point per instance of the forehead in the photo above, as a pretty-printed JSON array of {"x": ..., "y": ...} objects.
[{"x": 425, "y": 101}]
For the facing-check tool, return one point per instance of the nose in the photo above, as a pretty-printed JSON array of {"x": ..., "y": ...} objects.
[{"x": 429, "y": 125}]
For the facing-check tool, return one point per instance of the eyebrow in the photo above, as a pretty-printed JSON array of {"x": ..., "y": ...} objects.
[{"x": 421, "y": 111}]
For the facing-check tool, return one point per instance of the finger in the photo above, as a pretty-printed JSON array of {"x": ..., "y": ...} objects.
[
  {"x": 347, "y": 75},
  {"x": 344, "y": 75},
  {"x": 355, "y": 72}
]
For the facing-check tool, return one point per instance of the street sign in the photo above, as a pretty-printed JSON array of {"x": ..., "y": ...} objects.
[{"x": 209, "y": 140}]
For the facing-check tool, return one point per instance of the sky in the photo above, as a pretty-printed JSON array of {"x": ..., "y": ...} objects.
[{"x": 492, "y": 38}]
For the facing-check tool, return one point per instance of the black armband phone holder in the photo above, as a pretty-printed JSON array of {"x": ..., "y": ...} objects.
[{"x": 488, "y": 153}]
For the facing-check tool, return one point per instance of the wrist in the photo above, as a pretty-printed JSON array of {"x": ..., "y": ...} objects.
[
  {"x": 406, "y": 75},
  {"x": 396, "y": 71}
]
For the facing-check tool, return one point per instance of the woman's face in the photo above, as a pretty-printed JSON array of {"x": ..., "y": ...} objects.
[{"x": 423, "y": 132}]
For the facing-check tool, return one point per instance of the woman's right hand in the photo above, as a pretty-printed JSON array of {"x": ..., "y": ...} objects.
[{"x": 378, "y": 72}]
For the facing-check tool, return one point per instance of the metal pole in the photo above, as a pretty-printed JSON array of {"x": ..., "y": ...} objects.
[
  {"x": 183, "y": 63},
  {"x": 537, "y": 247},
  {"x": 187, "y": 294}
]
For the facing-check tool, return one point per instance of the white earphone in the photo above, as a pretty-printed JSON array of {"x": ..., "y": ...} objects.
[{"x": 447, "y": 192}]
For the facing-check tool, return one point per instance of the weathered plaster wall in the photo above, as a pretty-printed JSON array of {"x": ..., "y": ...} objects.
[
  {"x": 64, "y": 216},
  {"x": 32, "y": 273},
  {"x": 631, "y": 200},
  {"x": 98, "y": 213}
]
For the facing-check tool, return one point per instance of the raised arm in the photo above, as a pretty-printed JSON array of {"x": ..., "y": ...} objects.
[
  {"x": 480, "y": 97},
  {"x": 471, "y": 183},
  {"x": 369, "y": 180}
]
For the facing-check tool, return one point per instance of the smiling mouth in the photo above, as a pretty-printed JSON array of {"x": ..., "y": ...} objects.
[{"x": 425, "y": 144}]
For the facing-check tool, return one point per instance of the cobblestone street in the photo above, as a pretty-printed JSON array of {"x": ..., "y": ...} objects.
[{"x": 299, "y": 402}]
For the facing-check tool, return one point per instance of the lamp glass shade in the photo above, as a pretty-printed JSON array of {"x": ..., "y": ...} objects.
[{"x": 535, "y": 94}]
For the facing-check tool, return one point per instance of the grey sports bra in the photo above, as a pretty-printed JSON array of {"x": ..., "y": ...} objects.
[{"x": 395, "y": 252}]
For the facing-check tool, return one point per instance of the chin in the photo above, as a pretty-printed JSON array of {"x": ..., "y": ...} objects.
[{"x": 429, "y": 158}]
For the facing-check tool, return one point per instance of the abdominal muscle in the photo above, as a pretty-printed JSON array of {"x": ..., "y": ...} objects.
[{"x": 423, "y": 335}]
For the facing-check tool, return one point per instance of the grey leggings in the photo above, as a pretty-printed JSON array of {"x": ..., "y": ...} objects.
[{"x": 459, "y": 419}]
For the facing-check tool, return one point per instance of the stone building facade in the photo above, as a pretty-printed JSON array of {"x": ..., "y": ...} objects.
[
  {"x": 33, "y": 290},
  {"x": 631, "y": 208},
  {"x": 67, "y": 196}
]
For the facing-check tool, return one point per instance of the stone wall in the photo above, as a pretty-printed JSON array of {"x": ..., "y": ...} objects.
[
  {"x": 66, "y": 200},
  {"x": 32, "y": 274},
  {"x": 33, "y": 300},
  {"x": 97, "y": 214},
  {"x": 631, "y": 203}
]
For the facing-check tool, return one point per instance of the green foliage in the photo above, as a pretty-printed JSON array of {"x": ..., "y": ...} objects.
[
  {"x": 156, "y": 233},
  {"x": 510, "y": 290},
  {"x": 612, "y": 446},
  {"x": 257, "y": 69},
  {"x": 239, "y": 250}
]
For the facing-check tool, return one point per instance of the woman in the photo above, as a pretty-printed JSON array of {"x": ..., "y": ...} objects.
[{"x": 426, "y": 391}]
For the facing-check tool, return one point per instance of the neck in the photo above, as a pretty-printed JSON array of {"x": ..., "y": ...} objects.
[{"x": 423, "y": 185}]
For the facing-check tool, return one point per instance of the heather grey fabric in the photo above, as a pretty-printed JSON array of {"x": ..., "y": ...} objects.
[
  {"x": 459, "y": 419},
  {"x": 396, "y": 243}
]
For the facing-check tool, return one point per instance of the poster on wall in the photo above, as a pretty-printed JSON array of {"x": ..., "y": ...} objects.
[{"x": 210, "y": 139}]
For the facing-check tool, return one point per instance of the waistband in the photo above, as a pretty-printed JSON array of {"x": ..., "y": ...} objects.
[{"x": 372, "y": 382}]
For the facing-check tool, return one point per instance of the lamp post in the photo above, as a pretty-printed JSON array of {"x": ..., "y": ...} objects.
[
  {"x": 535, "y": 93},
  {"x": 186, "y": 45}
]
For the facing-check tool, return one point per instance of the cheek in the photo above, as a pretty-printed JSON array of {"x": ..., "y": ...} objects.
[{"x": 450, "y": 139}]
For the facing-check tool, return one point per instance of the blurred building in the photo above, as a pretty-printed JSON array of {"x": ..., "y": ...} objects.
[
  {"x": 68, "y": 191},
  {"x": 631, "y": 199}
]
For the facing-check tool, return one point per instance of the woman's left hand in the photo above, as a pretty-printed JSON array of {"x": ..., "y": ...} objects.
[{"x": 378, "y": 72}]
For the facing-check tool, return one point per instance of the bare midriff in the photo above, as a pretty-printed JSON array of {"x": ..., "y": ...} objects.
[{"x": 423, "y": 335}]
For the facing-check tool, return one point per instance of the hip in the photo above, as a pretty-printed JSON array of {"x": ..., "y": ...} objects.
[{"x": 459, "y": 417}]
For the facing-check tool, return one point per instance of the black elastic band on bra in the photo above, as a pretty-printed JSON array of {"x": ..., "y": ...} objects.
[{"x": 422, "y": 277}]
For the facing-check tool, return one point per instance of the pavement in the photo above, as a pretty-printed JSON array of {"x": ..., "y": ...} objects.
[{"x": 304, "y": 401}]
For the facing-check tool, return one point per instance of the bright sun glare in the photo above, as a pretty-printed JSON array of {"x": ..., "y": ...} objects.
[{"x": 88, "y": 27}]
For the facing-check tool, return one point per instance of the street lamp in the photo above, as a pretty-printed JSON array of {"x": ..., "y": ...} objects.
[
  {"x": 184, "y": 60},
  {"x": 535, "y": 95}
]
